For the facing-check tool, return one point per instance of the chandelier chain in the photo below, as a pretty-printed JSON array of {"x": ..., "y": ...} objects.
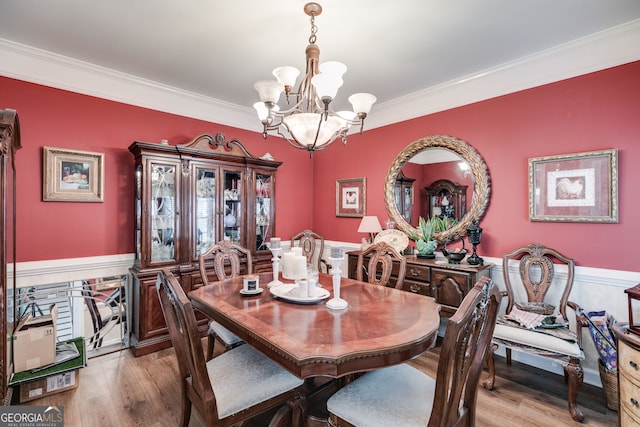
[{"x": 314, "y": 29}]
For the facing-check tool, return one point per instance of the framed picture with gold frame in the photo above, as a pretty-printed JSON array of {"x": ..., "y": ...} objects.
[
  {"x": 581, "y": 187},
  {"x": 72, "y": 175},
  {"x": 351, "y": 197}
]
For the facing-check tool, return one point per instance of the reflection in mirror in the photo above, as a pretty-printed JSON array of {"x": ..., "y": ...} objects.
[{"x": 450, "y": 179}]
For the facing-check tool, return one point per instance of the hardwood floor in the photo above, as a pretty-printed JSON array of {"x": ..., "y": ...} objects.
[{"x": 118, "y": 389}]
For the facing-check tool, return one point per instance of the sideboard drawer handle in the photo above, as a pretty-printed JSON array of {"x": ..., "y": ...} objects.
[
  {"x": 414, "y": 288},
  {"x": 633, "y": 364},
  {"x": 415, "y": 272},
  {"x": 634, "y": 402}
]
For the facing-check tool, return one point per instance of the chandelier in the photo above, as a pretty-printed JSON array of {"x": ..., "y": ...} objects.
[{"x": 309, "y": 123}]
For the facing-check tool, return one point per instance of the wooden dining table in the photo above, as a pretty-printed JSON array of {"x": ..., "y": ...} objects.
[{"x": 380, "y": 327}]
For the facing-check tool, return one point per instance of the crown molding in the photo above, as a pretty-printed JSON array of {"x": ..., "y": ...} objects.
[{"x": 609, "y": 48}]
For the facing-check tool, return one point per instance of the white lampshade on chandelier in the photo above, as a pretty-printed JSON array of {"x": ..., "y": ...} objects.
[{"x": 309, "y": 122}]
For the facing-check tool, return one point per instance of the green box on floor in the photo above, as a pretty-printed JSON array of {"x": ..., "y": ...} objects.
[{"x": 54, "y": 379}]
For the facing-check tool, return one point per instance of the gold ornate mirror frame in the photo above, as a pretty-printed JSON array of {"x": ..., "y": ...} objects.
[{"x": 481, "y": 187}]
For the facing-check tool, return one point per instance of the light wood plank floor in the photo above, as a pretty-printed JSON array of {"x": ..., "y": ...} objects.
[{"x": 118, "y": 389}]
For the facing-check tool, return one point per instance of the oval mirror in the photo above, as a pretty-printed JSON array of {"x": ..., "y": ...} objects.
[{"x": 426, "y": 151}]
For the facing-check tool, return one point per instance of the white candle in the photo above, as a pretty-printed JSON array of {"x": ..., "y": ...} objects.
[
  {"x": 297, "y": 250},
  {"x": 300, "y": 269},
  {"x": 275, "y": 243},
  {"x": 288, "y": 265}
]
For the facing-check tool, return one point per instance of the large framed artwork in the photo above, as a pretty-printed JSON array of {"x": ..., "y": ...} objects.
[
  {"x": 72, "y": 175},
  {"x": 351, "y": 197},
  {"x": 581, "y": 187}
]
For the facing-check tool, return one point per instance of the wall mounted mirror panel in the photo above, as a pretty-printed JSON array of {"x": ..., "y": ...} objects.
[{"x": 451, "y": 181}]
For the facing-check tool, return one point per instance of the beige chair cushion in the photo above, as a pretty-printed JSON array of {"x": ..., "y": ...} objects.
[
  {"x": 243, "y": 377},
  {"x": 406, "y": 392},
  {"x": 227, "y": 337},
  {"x": 538, "y": 340}
]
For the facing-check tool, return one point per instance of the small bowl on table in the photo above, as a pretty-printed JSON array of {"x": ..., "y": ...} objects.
[{"x": 455, "y": 256}]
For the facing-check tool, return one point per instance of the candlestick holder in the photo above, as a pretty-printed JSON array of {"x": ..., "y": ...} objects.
[
  {"x": 276, "y": 267},
  {"x": 336, "y": 303}
]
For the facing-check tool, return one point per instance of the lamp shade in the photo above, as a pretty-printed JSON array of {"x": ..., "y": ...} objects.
[
  {"x": 369, "y": 224},
  {"x": 269, "y": 90},
  {"x": 362, "y": 102},
  {"x": 304, "y": 127}
]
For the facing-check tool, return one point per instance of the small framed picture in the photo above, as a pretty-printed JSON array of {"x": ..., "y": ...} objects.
[
  {"x": 351, "y": 197},
  {"x": 580, "y": 187},
  {"x": 72, "y": 175}
]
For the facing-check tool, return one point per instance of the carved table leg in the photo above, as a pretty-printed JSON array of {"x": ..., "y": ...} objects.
[
  {"x": 575, "y": 376},
  {"x": 491, "y": 366}
]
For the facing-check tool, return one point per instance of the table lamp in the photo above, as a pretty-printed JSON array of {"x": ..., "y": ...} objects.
[{"x": 371, "y": 225}]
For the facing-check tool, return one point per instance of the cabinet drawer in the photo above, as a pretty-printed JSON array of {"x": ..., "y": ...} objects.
[
  {"x": 417, "y": 287},
  {"x": 627, "y": 419},
  {"x": 629, "y": 361},
  {"x": 419, "y": 273},
  {"x": 449, "y": 287}
]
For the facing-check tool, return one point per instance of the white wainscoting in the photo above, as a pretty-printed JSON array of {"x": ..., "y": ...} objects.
[{"x": 594, "y": 289}]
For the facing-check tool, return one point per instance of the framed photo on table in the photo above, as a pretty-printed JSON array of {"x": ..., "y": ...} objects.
[
  {"x": 580, "y": 187},
  {"x": 72, "y": 175},
  {"x": 351, "y": 197}
]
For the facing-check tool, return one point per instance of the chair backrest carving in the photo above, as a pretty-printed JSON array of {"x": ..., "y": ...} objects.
[
  {"x": 380, "y": 265},
  {"x": 226, "y": 260},
  {"x": 185, "y": 336},
  {"x": 466, "y": 341},
  {"x": 312, "y": 245},
  {"x": 537, "y": 275}
]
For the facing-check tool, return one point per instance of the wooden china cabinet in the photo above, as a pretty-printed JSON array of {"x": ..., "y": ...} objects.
[
  {"x": 446, "y": 198},
  {"x": 403, "y": 195},
  {"x": 187, "y": 198},
  {"x": 9, "y": 144}
]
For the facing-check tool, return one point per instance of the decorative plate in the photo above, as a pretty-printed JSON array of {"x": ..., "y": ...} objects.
[
  {"x": 291, "y": 293},
  {"x": 394, "y": 238}
]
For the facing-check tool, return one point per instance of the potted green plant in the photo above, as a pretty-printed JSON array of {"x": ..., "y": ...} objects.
[{"x": 425, "y": 244}]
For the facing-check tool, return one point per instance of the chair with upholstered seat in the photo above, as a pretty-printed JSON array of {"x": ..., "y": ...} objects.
[
  {"x": 104, "y": 314},
  {"x": 536, "y": 287},
  {"x": 312, "y": 245},
  {"x": 380, "y": 264},
  {"x": 233, "y": 387},
  {"x": 227, "y": 263},
  {"x": 402, "y": 395}
]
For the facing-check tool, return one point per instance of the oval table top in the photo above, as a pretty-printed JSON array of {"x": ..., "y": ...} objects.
[{"x": 381, "y": 326}]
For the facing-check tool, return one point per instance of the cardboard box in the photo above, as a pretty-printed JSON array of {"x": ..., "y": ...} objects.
[
  {"x": 34, "y": 341},
  {"x": 47, "y": 386}
]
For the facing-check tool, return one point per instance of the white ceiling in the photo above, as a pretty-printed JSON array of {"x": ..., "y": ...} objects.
[{"x": 201, "y": 57}]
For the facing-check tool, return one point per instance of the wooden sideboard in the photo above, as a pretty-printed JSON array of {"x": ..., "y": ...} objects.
[
  {"x": 628, "y": 375},
  {"x": 447, "y": 283}
]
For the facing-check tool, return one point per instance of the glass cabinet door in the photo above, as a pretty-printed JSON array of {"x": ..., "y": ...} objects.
[
  {"x": 233, "y": 206},
  {"x": 205, "y": 223},
  {"x": 264, "y": 209},
  {"x": 163, "y": 212}
]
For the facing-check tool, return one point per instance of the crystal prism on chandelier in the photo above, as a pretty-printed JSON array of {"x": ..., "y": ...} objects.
[{"x": 309, "y": 122}]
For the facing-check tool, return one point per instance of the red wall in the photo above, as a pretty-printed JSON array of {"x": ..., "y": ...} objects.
[
  {"x": 57, "y": 118},
  {"x": 591, "y": 112}
]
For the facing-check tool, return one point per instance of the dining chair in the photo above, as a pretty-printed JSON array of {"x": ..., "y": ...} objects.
[
  {"x": 312, "y": 245},
  {"x": 402, "y": 395},
  {"x": 233, "y": 387},
  {"x": 380, "y": 264},
  {"x": 537, "y": 287},
  {"x": 102, "y": 314},
  {"x": 226, "y": 264}
]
